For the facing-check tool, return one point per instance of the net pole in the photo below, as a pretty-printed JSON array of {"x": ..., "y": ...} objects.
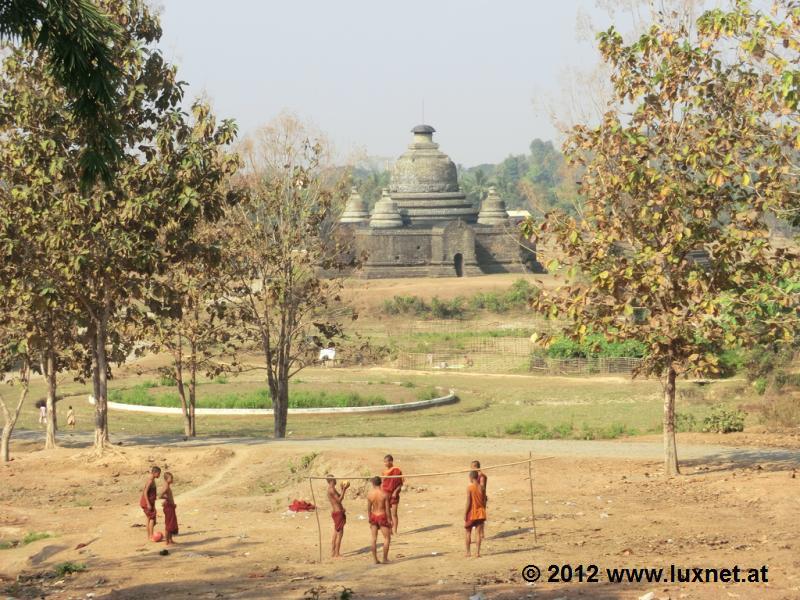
[
  {"x": 316, "y": 513},
  {"x": 530, "y": 481}
]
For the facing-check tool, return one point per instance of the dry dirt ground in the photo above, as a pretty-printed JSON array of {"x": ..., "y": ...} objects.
[{"x": 606, "y": 505}]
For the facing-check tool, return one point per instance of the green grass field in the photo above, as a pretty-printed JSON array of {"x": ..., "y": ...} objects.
[{"x": 490, "y": 405}]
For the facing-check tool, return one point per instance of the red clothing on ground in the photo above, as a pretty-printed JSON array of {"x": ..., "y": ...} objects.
[
  {"x": 150, "y": 513},
  {"x": 380, "y": 520},
  {"x": 339, "y": 519},
  {"x": 301, "y": 506},
  {"x": 170, "y": 518}
]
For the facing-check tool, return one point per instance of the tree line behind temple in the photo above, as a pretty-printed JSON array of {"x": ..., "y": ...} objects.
[{"x": 539, "y": 181}]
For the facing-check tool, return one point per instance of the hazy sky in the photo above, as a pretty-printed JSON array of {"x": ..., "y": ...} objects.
[{"x": 360, "y": 69}]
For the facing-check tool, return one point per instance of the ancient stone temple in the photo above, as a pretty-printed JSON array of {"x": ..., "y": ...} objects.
[{"x": 424, "y": 225}]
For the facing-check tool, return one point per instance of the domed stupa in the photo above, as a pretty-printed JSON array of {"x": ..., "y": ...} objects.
[
  {"x": 424, "y": 183},
  {"x": 424, "y": 226},
  {"x": 355, "y": 211}
]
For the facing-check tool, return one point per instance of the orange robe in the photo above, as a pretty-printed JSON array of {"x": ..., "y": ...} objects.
[
  {"x": 477, "y": 506},
  {"x": 339, "y": 519},
  {"x": 150, "y": 513},
  {"x": 170, "y": 518},
  {"x": 390, "y": 485}
]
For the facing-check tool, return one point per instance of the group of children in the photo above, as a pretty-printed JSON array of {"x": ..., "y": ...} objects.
[
  {"x": 43, "y": 416},
  {"x": 383, "y": 500},
  {"x": 148, "y": 503}
]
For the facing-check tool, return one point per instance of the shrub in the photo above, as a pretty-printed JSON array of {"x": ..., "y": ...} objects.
[
  {"x": 444, "y": 309},
  {"x": 428, "y": 394},
  {"x": 35, "y": 536},
  {"x": 611, "y": 432},
  {"x": 67, "y": 568},
  {"x": 428, "y": 433},
  {"x": 252, "y": 399},
  {"x": 594, "y": 346},
  {"x": 724, "y": 420},
  {"x": 405, "y": 305},
  {"x": 730, "y": 362},
  {"x": 685, "y": 422},
  {"x": 530, "y": 429}
]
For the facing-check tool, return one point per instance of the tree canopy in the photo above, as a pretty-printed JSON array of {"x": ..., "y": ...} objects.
[
  {"x": 673, "y": 248},
  {"x": 78, "y": 39}
]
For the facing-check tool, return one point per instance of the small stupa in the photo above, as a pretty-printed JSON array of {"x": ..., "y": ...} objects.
[
  {"x": 385, "y": 213},
  {"x": 493, "y": 210},
  {"x": 355, "y": 211}
]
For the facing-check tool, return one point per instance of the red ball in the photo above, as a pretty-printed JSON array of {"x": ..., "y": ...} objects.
[{"x": 157, "y": 536}]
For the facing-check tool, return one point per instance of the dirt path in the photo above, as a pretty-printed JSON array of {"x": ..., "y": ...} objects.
[
  {"x": 596, "y": 503},
  {"x": 623, "y": 449}
]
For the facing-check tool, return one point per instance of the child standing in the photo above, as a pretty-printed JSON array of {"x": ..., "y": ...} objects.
[
  {"x": 336, "y": 498},
  {"x": 474, "y": 513},
  {"x": 71, "y": 418},
  {"x": 148, "y": 500},
  {"x": 170, "y": 518}
]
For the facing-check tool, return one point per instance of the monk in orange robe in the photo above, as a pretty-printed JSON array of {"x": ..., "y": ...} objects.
[
  {"x": 475, "y": 513},
  {"x": 148, "y": 500},
  {"x": 392, "y": 486},
  {"x": 170, "y": 518},
  {"x": 379, "y": 516},
  {"x": 482, "y": 479},
  {"x": 336, "y": 498}
]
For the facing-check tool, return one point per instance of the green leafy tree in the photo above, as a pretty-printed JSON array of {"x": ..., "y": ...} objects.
[
  {"x": 285, "y": 261},
  {"x": 189, "y": 321},
  {"x": 103, "y": 250},
  {"x": 369, "y": 183},
  {"x": 16, "y": 360},
  {"x": 677, "y": 183},
  {"x": 78, "y": 40}
]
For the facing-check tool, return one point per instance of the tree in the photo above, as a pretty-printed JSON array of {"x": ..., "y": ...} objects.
[
  {"x": 103, "y": 250},
  {"x": 77, "y": 39},
  {"x": 283, "y": 254},
  {"x": 14, "y": 355},
  {"x": 686, "y": 163},
  {"x": 190, "y": 323}
]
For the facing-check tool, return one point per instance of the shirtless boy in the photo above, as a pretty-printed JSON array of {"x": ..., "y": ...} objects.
[
  {"x": 392, "y": 486},
  {"x": 379, "y": 514},
  {"x": 474, "y": 514},
  {"x": 148, "y": 500},
  {"x": 170, "y": 518},
  {"x": 336, "y": 497}
]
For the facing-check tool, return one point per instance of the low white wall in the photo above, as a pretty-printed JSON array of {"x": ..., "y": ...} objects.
[{"x": 450, "y": 398}]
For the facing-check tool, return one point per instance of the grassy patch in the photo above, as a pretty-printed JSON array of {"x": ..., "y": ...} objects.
[
  {"x": 67, "y": 568},
  {"x": 535, "y": 430},
  {"x": 35, "y": 536},
  {"x": 428, "y": 433},
  {"x": 30, "y": 537},
  {"x": 428, "y": 394},
  {"x": 258, "y": 398}
]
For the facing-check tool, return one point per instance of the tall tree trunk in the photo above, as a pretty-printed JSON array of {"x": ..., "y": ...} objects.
[
  {"x": 100, "y": 383},
  {"x": 280, "y": 406},
  {"x": 192, "y": 388},
  {"x": 9, "y": 418},
  {"x": 50, "y": 371},
  {"x": 670, "y": 447},
  {"x": 178, "y": 357}
]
